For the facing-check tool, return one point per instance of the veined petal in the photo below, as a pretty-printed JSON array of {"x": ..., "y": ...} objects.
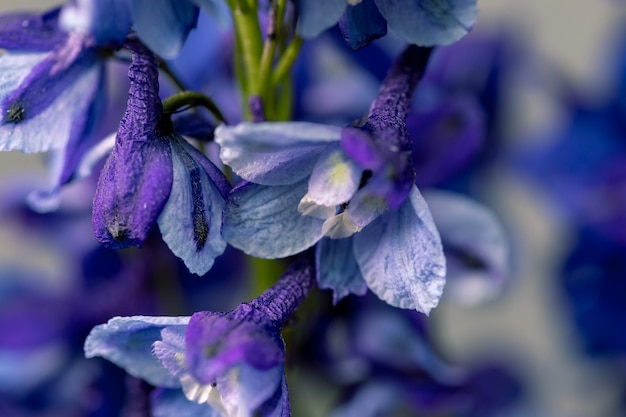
[
  {"x": 191, "y": 220},
  {"x": 337, "y": 268},
  {"x": 361, "y": 24},
  {"x": 127, "y": 342},
  {"x": 264, "y": 221},
  {"x": 172, "y": 402},
  {"x": 475, "y": 245},
  {"x": 35, "y": 103},
  {"x": 308, "y": 207},
  {"x": 170, "y": 350},
  {"x": 401, "y": 257},
  {"x": 315, "y": 16},
  {"x": 335, "y": 177},
  {"x": 274, "y": 153},
  {"x": 429, "y": 22},
  {"x": 339, "y": 226}
]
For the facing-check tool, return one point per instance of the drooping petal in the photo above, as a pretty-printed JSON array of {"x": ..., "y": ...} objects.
[
  {"x": 30, "y": 32},
  {"x": 315, "y": 16},
  {"x": 245, "y": 389},
  {"x": 337, "y": 268},
  {"x": 335, "y": 177},
  {"x": 474, "y": 243},
  {"x": 429, "y": 22},
  {"x": 191, "y": 220},
  {"x": 172, "y": 402},
  {"x": 265, "y": 222},
  {"x": 273, "y": 153},
  {"x": 127, "y": 342},
  {"x": 163, "y": 25},
  {"x": 38, "y": 104},
  {"x": 107, "y": 22},
  {"x": 401, "y": 257},
  {"x": 361, "y": 24}
]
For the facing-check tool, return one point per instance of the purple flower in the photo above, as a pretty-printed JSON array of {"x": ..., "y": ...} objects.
[
  {"x": 154, "y": 176},
  {"x": 352, "y": 185},
  {"x": 232, "y": 361},
  {"x": 420, "y": 22}
]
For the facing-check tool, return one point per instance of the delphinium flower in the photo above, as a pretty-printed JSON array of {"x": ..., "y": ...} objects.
[
  {"x": 212, "y": 363},
  {"x": 420, "y": 22},
  {"x": 155, "y": 176},
  {"x": 352, "y": 185}
]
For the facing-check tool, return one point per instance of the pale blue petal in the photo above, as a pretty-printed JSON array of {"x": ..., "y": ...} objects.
[
  {"x": 470, "y": 231},
  {"x": 170, "y": 350},
  {"x": 264, "y": 221},
  {"x": 163, "y": 25},
  {"x": 33, "y": 135},
  {"x": 216, "y": 8},
  {"x": 274, "y": 153},
  {"x": 127, "y": 342},
  {"x": 337, "y": 268},
  {"x": 429, "y": 22},
  {"x": 315, "y": 16},
  {"x": 172, "y": 402},
  {"x": 278, "y": 405},
  {"x": 335, "y": 177},
  {"x": 191, "y": 220},
  {"x": 401, "y": 257},
  {"x": 367, "y": 204},
  {"x": 106, "y": 21},
  {"x": 244, "y": 389}
]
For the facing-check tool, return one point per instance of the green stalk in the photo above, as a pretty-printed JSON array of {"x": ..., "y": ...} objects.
[
  {"x": 248, "y": 35},
  {"x": 193, "y": 99},
  {"x": 287, "y": 60},
  {"x": 269, "y": 51}
]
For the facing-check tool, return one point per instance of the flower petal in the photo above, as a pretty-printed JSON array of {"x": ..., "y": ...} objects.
[
  {"x": 273, "y": 153},
  {"x": 265, "y": 222},
  {"x": 335, "y": 178},
  {"x": 401, "y": 257},
  {"x": 245, "y": 389},
  {"x": 361, "y": 24},
  {"x": 337, "y": 268},
  {"x": 108, "y": 22},
  {"x": 30, "y": 32},
  {"x": 475, "y": 245},
  {"x": 429, "y": 22},
  {"x": 163, "y": 25},
  {"x": 315, "y": 16},
  {"x": 216, "y": 8},
  {"x": 127, "y": 342},
  {"x": 191, "y": 220}
]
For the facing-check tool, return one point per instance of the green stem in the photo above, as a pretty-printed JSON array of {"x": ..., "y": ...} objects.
[
  {"x": 269, "y": 51},
  {"x": 287, "y": 60},
  {"x": 248, "y": 33},
  {"x": 192, "y": 98}
]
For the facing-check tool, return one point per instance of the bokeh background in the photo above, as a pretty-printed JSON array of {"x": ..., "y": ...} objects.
[{"x": 529, "y": 326}]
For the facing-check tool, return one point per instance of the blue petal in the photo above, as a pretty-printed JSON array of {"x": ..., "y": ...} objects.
[
  {"x": 191, "y": 220},
  {"x": 127, "y": 342},
  {"x": 216, "y": 8},
  {"x": 315, "y": 16},
  {"x": 429, "y": 22},
  {"x": 337, "y": 268},
  {"x": 170, "y": 402},
  {"x": 470, "y": 231},
  {"x": 245, "y": 389},
  {"x": 335, "y": 177},
  {"x": 274, "y": 153},
  {"x": 33, "y": 134},
  {"x": 278, "y": 405},
  {"x": 108, "y": 22},
  {"x": 265, "y": 222},
  {"x": 371, "y": 400},
  {"x": 163, "y": 25},
  {"x": 401, "y": 257},
  {"x": 171, "y": 350},
  {"x": 361, "y": 24},
  {"x": 30, "y": 32}
]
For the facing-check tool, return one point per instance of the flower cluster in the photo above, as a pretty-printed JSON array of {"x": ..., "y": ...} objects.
[{"x": 245, "y": 166}]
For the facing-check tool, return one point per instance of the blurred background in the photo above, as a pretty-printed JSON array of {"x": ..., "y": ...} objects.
[{"x": 561, "y": 78}]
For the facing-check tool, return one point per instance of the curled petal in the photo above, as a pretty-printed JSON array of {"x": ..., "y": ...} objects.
[
  {"x": 361, "y": 24},
  {"x": 335, "y": 178},
  {"x": 337, "y": 268}
]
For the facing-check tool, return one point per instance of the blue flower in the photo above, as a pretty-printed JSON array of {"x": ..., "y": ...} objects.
[
  {"x": 420, "y": 22},
  {"x": 154, "y": 176},
  {"x": 349, "y": 189},
  {"x": 223, "y": 363}
]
